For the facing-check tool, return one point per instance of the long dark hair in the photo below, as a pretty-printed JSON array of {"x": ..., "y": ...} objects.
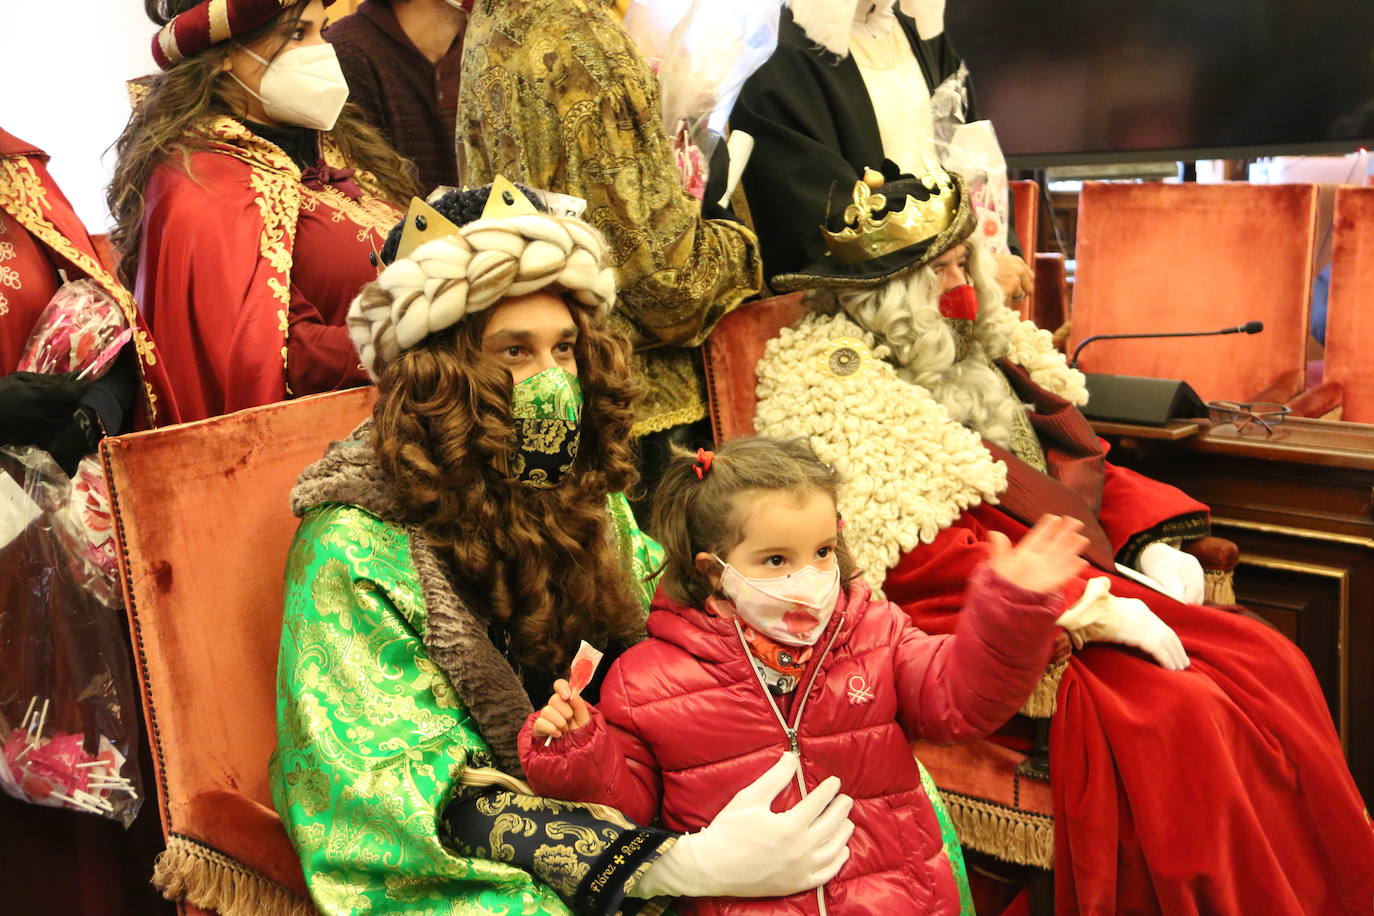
[{"x": 167, "y": 122}]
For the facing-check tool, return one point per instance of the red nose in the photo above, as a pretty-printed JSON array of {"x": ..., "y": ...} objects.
[{"x": 959, "y": 303}]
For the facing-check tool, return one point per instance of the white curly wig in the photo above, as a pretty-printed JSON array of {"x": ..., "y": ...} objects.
[{"x": 904, "y": 316}]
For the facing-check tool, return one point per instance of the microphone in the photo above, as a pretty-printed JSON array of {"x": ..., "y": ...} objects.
[{"x": 1250, "y": 327}]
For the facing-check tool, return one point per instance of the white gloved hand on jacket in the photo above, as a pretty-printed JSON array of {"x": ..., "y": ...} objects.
[
  {"x": 1179, "y": 573},
  {"x": 1100, "y": 616},
  {"x": 749, "y": 851}
]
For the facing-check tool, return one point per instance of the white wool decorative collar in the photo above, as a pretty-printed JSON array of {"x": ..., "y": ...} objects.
[
  {"x": 909, "y": 469},
  {"x": 1021, "y": 342}
]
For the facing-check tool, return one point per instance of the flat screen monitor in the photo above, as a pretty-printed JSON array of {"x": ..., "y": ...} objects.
[{"x": 1084, "y": 81}]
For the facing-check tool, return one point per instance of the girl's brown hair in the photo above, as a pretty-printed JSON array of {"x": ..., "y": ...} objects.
[
  {"x": 543, "y": 566},
  {"x": 706, "y": 515},
  {"x": 169, "y": 121}
]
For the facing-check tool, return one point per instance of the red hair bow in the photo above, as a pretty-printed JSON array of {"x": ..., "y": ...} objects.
[{"x": 703, "y": 464}]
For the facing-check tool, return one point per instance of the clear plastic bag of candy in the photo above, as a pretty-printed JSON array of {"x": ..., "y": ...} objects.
[
  {"x": 82, "y": 330},
  {"x": 68, "y": 730},
  {"x": 971, "y": 149}
]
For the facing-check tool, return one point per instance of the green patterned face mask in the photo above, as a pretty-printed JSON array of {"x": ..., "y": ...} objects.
[{"x": 547, "y": 410}]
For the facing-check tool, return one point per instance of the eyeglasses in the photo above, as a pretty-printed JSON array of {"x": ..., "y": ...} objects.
[{"x": 1266, "y": 414}]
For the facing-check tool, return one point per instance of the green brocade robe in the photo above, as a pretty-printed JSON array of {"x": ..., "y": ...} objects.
[{"x": 374, "y": 741}]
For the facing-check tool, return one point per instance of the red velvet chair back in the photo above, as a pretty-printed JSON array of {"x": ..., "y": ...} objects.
[
  {"x": 731, "y": 356},
  {"x": 1161, "y": 257},
  {"x": 1050, "y": 307},
  {"x": 1349, "y": 317},
  {"x": 1025, "y": 198},
  {"x": 204, "y": 524}
]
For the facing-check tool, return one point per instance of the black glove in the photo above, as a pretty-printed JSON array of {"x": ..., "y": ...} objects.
[
  {"x": 35, "y": 407},
  {"x": 77, "y": 439}
]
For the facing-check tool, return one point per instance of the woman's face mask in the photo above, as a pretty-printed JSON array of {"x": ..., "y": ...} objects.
[
  {"x": 791, "y": 609},
  {"x": 304, "y": 86},
  {"x": 547, "y": 411}
]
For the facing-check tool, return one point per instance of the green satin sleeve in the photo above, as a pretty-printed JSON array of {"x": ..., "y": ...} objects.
[
  {"x": 372, "y": 740},
  {"x": 643, "y": 554}
]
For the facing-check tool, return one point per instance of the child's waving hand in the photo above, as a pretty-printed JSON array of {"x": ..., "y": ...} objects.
[
  {"x": 565, "y": 712},
  {"x": 1046, "y": 558}
]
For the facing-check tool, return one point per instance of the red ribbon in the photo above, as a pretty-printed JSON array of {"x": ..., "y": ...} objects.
[
  {"x": 703, "y": 464},
  {"x": 317, "y": 176}
]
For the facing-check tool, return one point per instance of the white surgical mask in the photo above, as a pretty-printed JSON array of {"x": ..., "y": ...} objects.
[
  {"x": 304, "y": 86},
  {"x": 791, "y": 609}
]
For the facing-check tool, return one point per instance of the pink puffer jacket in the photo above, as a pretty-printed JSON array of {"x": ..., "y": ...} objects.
[{"x": 684, "y": 723}]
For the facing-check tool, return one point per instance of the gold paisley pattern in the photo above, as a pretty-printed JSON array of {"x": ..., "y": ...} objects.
[
  {"x": 555, "y": 95},
  {"x": 23, "y": 196},
  {"x": 372, "y": 741}
]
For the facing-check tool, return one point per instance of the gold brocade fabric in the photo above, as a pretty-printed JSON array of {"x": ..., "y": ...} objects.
[{"x": 554, "y": 94}]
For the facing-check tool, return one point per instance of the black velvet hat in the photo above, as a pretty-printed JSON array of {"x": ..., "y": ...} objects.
[{"x": 891, "y": 224}]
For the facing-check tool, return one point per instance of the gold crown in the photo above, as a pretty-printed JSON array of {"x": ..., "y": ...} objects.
[
  {"x": 424, "y": 223},
  {"x": 871, "y": 233}
]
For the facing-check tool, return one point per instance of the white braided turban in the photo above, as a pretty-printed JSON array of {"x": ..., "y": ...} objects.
[{"x": 484, "y": 262}]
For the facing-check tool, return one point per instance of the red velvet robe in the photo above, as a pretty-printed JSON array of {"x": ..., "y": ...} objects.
[
  {"x": 1216, "y": 790},
  {"x": 40, "y": 233},
  {"x": 246, "y": 273}
]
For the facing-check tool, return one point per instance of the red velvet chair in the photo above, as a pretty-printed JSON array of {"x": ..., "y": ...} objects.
[
  {"x": 1051, "y": 303},
  {"x": 1162, "y": 257},
  {"x": 1025, "y": 198},
  {"x": 203, "y": 523},
  {"x": 1349, "y": 318}
]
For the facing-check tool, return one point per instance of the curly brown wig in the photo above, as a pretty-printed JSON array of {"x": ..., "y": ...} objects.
[{"x": 543, "y": 566}]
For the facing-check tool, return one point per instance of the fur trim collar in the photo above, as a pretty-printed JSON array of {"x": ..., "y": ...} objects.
[
  {"x": 455, "y": 638},
  {"x": 909, "y": 469}
]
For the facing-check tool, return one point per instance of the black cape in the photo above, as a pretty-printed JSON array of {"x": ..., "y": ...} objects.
[{"x": 813, "y": 127}]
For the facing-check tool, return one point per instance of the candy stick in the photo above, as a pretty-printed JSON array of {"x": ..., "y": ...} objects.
[
  {"x": 581, "y": 671},
  {"x": 91, "y": 763},
  {"x": 40, "y": 721},
  {"x": 28, "y": 712}
]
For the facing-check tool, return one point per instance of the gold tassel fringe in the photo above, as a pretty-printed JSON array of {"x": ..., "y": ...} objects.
[
  {"x": 1020, "y": 837},
  {"x": 1040, "y": 704},
  {"x": 193, "y": 872},
  {"x": 1219, "y": 586}
]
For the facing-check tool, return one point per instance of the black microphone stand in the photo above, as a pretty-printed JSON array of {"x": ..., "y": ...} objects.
[{"x": 1242, "y": 329}]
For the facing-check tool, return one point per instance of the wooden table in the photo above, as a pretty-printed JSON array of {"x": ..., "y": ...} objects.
[{"x": 1300, "y": 506}]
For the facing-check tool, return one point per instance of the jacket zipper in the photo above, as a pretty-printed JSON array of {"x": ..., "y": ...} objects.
[{"x": 791, "y": 731}]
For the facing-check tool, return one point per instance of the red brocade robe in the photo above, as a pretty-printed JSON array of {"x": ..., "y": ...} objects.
[
  {"x": 40, "y": 234},
  {"x": 1218, "y": 789},
  {"x": 247, "y": 269}
]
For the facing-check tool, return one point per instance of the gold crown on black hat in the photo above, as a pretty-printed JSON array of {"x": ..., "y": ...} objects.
[{"x": 871, "y": 232}]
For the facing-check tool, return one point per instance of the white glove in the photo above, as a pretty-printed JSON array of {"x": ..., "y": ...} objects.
[
  {"x": 1100, "y": 616},
  {"x": 748, "y": 851},
  {"x": 929, "y": 16},
  {"x": 1180, "y": 574},
  {"x": 1138, "y": 626}
]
